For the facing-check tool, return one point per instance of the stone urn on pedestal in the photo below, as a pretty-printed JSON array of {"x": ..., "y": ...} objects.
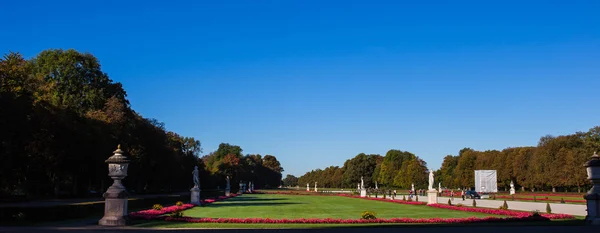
[
  {"x": 592, "y": 197},
  {"x": 115, "y": 203}
]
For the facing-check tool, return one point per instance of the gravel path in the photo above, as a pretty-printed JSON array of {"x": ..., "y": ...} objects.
[{"x": 557, "y": 208}]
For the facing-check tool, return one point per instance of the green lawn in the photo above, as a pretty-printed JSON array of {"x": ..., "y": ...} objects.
[{"x": 297, "y": 206}]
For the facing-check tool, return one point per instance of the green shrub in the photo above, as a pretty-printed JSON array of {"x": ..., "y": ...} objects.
[
  {"x": 403, "y": 198},
  {"x": 176, "y": 214},
  {"x": 474, "y": 203},
  {"x": 375, "y": 195},
  {"x": 494, "y": 197},
  {"x": 534, "y": 199},
  {"x": 562, "y": 200},
  {"x": 513, "y": 197},
  {"x": 179, "y": 203},
  {"x": 504, "y": 206},
  {"x": 416, "y": 198},
  {"x": 460, "y": 205},
  {"x": 157, "y": 207},
  {"x": 449, "y": 202},
  {"x": 384, "y": 196},
  {"x": 368, "y": 215},
  {"x": 548, "y": 209},
  {"x": 536, "y": 213}
]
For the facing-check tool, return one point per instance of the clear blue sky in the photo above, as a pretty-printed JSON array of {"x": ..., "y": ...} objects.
[{"x": 317, "y": 82}]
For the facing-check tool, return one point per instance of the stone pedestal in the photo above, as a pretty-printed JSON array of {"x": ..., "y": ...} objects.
[
  {"x": 592, "y": 197},
  {"x": 195, "y": 198},
  {"x": 363, "y": 193},
  {"x": 115, "y": 207},
  {"x": 432, "y": 196},
  {"x": 512, "y": 191},
  {"x": 593, "y": 209}
]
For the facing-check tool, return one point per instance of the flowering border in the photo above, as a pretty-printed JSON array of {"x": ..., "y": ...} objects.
[
  {"x": 513, "y": 213},
  {"x": 355, "y": 221},
  {"x": 159, "y": 214}
]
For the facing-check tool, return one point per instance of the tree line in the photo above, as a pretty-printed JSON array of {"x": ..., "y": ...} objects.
[
  {"x": 555, "y": 164},
  {"x": 61, "y": 117},
  {"x": 397, "y": 169}
]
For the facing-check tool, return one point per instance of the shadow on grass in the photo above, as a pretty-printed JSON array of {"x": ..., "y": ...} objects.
[
  {"x": 240, "y": 204},
  {"x": 253, "y": 199}
]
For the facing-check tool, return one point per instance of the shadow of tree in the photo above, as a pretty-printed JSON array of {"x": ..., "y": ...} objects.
[{"x": 240, "y": 204}]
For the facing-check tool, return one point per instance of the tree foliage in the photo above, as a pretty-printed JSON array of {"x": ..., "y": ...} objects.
[
  {"x": 556, "y": 163},
  {"x": 61, "y": 117}
]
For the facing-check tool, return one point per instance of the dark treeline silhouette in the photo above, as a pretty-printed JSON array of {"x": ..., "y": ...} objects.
[{"x": 61, "y": 117}]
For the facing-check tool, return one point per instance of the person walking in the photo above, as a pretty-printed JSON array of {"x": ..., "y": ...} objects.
[
  {"x": 462, "y": 193},
  {"x": 452, "y": 194}
]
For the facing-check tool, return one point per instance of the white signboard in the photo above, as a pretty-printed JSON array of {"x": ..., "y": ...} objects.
[{"x": 486, "y": 181}]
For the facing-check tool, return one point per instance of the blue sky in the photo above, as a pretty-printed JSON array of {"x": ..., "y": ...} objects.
[{"x": 317, "y": 82}]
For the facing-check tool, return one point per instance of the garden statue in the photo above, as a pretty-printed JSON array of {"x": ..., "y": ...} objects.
[
  {"x": 512, "y": 188},
  {"x": 196, "y": 179},
  {"x": 362, "y": 183},
  {"x": 430, "y": 179},
  {"x": 440, "y": 187},
  {"x": 376, "y": 185},
  {"x": 412, "y": 187},
  {"x": 227, "y": 187},
  {"x": 195, "y": 195},
  {"x": 307, "y": 187}
]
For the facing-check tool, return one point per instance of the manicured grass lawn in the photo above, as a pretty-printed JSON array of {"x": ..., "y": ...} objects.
[{"x": 297, "y": 206}]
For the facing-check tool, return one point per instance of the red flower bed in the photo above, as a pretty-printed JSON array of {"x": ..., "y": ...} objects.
[
  {"x": 352, "y": 221},
  {"x": 158, "y": 214},
  {"x": 539, "y": 199},
  {"x": 513, "y": 213}
]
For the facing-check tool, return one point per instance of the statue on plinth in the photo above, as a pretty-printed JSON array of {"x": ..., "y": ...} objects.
[
  {"x": 196, "y": 178},
  {"x": 430, "y": 179}
]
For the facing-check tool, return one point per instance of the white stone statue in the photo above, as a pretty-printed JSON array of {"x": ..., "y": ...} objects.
[
  {"x": 307, "y": 187},
  {"x": 376, "y": 185},
  {"x": 196, "y": 178},
  {"x": 315, "y": 186},
  {"x": 512, "y": 188},
  {"x": 358, "y": 186},
  {"x": 440, "y": 187},
  {"x": 362, "y": 183},
  {"x": 412, "y": 187},
  {"x": 430, "y": 179},
  {"x": 227, "y": 187}
]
